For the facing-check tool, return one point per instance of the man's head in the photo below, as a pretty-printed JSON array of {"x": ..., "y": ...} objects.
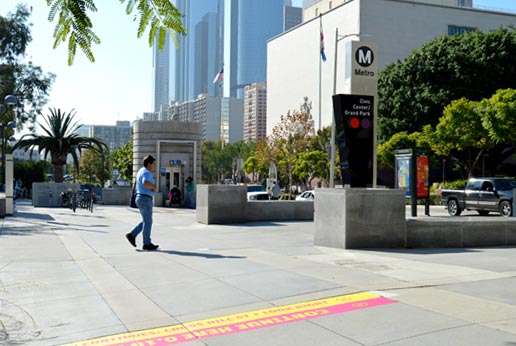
[{"x": 148, "y": 160}]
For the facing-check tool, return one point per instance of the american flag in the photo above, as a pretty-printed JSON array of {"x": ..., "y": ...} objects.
[
  {"x": 219, "y": 76},
  {"x": 323, "y": 54}
]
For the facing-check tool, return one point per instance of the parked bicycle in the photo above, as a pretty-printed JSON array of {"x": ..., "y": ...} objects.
[{"x": 78, "y": 199}]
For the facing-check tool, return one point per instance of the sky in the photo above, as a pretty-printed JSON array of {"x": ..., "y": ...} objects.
[{"x": 118, "y": 85}]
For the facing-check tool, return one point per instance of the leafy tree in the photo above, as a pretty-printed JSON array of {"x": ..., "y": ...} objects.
[
  {"x": 92, "y": 168},
  {"x": 253, "y": 167},
  {"x": 210, "y": 168},
  {"x": 468, "y": 129},
  {"x": 321, "y": 143},
  {"x": 26, "y": 81},
  {"x": 74, "y": 23},
  {"x": 414, "y": 92},
  {"x": 400, "y": 140},
  {"x": 122, "y": 161},
  {"x": 30, "y": 172},
  {"x": 290, "y": 137},
  {"x": 60, "y": 138},
  {"x": 264, "y": 156},
  {"x": 219, "y": 162},
  {"x": 311, "y": 164}
]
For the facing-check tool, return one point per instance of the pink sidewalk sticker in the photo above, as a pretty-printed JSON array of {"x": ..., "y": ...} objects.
[{"x": 241, "y": 322}]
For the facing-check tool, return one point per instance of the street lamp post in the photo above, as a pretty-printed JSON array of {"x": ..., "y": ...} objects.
[{"x": 9, "y": 100}]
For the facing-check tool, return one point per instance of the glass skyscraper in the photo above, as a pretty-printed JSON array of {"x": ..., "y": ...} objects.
[
  {"x": 229, "y": 34},
  {"x": 200, "y": 54},
  {"x": 248, "y": 26}
]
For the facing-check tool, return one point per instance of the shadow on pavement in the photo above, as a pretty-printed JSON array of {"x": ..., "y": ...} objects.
[
  {"x": 26, "y": 215},
  {"x": 194, "y": 254}
]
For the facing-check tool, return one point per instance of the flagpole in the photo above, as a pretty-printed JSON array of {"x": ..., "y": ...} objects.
[
  {"x": 332, "y": 143},
  {"x": 320, "y": 72}
]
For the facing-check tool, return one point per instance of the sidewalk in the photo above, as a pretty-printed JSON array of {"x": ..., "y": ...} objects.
[{"x": 67, "y": 277}]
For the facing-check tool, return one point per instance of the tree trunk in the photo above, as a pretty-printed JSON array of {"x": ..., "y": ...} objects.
[{"x": 58, "y": 173}]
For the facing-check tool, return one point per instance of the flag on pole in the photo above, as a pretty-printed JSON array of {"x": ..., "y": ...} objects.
[
  {"x": 219, "y": 76},
  {"x": 323, "y": 54}
]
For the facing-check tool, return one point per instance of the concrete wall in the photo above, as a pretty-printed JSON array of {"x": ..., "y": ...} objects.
[
  {"x": 279, "y": 210},
  {"x": 359, "y": 218},
  {"x": 461, "y": 232},
  {"x": 49, "y": 194},
  {"x": 117, "y": 196},
  {"x": 223, "y": 204}
]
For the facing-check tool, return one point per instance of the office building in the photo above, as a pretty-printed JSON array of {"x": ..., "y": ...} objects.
[
  {"x": 398, "y": 27},
  {"x": 114, "y": 136},
  {"x": 220, "y": 117},
  {"x": 292, "y": 16},
  {"x": 160, "y": 76},
  {"x": 255, "y": 111},
  {"x": 200, "y": 54},
  {"x": 206, "y": 111}
]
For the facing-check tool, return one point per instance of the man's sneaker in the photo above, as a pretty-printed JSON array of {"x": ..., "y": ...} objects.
[
  {"x": 150, "y": 247},
  {"x": 131, "y": 239}
]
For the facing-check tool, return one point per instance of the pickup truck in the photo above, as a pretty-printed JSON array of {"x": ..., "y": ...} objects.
[{"x": 481, "y": 194}]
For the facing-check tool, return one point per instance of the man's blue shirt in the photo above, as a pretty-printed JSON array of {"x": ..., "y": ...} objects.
[{"x": 144, "y": 175}]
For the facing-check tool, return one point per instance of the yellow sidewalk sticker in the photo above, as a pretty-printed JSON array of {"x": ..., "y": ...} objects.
[{"x": 236, "y": 323}]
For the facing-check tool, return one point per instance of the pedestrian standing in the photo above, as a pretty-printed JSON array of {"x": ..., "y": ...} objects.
[
  {"x": 190, "y": 189},
  {"x": 275, "y": 191},
  {"x": 145, "y": 188}
]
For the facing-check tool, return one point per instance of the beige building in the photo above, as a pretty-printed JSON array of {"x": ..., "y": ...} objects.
[
  {"x": 177, "y": 149},
  {"x": 255, "y": 111},
  {"x": 324, "y": 6}
]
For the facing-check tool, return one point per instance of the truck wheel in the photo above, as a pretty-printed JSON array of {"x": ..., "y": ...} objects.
[
  {"x": 453, "y": 208},
  {"x": 505, "y": 208}
]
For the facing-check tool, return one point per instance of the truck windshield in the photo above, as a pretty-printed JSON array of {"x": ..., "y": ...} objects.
[{"x": 505, "y": 184}]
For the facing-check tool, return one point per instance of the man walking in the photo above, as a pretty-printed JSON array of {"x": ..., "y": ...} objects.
[{"x": 145, "y": 188}]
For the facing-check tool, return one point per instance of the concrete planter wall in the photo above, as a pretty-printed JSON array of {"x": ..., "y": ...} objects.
[
  {"x": 279, "y": 210},
  {"x": 359, "y": 218},
  {"x": 117, "y": 196},
  {"x": 224, "y": 204},
  {"x": 221, "y": 204},
  {"x": 49, "y": 194}
]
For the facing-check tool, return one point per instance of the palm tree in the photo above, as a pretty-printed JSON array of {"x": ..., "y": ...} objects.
[{"x": 60, "y": 138}]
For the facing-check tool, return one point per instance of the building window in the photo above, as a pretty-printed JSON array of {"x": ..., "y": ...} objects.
[
  {"x": 316, "y": 12},
  {"x": 459, "y": 30},
  {"x": 330, "y": 5}
]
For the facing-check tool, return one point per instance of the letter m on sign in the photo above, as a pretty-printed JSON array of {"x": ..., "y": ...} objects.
[{"x": 364, "y": 56}]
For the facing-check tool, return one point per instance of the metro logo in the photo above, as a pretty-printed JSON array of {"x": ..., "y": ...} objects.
[{"x": 364, "y": 56}]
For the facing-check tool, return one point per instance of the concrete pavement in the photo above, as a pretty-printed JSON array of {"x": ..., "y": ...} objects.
[{"x": 67, "y": 277}]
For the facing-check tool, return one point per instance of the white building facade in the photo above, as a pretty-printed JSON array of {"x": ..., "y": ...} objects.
[{"x": 398, "y": 27}]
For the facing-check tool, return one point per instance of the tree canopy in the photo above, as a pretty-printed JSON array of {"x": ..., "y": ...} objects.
[
  {"x": 74, "y": 23},
  {"x": 414, "y": 92},
  {"x": 24, "y": 80},
  {"x": 469, "y": 129}
]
